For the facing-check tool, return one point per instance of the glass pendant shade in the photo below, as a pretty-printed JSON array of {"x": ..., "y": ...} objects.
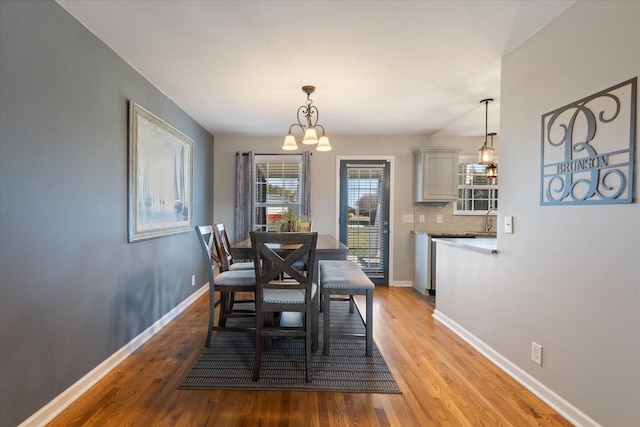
[
  {"x": 290, "y": 143},
  {"x": 323, "y": 144},
  {"x": 492, "y": 171},
  {"x": 310, "y": 136},
  {"x": 485, "y": 155}
]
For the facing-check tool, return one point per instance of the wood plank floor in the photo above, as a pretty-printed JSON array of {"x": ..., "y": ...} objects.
[{"x": 445, "y": 382}]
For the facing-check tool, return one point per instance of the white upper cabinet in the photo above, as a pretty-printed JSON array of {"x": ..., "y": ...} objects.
[{"x": 436, "y": 175}]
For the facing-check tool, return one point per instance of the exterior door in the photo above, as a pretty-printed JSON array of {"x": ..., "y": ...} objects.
[{"x": 364, "y": 215}]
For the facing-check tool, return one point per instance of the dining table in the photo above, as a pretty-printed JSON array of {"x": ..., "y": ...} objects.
[{"x": 327, "y": 248}]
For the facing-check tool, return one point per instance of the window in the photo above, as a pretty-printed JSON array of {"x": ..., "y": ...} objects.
[
  {"x": 476, "y": 193},
  {"x": 278, "y": 189}
]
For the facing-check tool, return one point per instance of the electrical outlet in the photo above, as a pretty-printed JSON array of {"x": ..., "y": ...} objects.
[
  {"x": 536, "y": 353},
  {"x": 193, "y": 280},
  {"x": 421, "y": 218},
  {"x": 439, "y": 219}
]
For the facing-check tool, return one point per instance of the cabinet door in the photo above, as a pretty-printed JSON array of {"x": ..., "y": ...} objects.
[{"x": 437, "y": 178}]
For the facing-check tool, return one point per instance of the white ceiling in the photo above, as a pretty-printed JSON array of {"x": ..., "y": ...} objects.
[{"x": 380, "y": 67}]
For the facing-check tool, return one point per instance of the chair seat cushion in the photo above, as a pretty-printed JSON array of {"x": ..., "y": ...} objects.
[
  {"x": 241, "y": 266},
  {"x": 286, "y": 296},
  {"x": 236, "y": 278}
]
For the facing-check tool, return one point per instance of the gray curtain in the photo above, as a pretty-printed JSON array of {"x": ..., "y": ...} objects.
[
  {"x": 244, "y": 195},
  {"x": 306, "y": 182}
]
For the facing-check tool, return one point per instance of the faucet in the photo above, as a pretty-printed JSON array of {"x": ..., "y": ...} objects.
[{"x": 488, "y": 224}]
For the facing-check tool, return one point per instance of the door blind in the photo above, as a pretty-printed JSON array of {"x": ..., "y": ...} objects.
[{"x": 366, "y": 203}]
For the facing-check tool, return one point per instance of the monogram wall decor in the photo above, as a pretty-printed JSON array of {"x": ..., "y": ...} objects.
[{"x": 588, "y": 149}]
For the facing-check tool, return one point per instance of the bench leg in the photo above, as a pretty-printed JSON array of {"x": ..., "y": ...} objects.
[
  {"x": 314, "y": 324},
  {"x": 326, "y": 310},
  {"x": 369, "y": 325}
]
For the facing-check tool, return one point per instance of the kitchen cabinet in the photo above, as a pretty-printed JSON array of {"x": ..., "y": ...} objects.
[{"x": 436, "y": 175}]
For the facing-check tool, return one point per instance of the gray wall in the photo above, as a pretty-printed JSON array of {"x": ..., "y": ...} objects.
[
  {"x": 72, "y": 290},
  {"x": 569, "y": 276}
]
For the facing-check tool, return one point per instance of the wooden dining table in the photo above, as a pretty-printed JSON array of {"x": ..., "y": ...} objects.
[{"x": 327, "y": 248}]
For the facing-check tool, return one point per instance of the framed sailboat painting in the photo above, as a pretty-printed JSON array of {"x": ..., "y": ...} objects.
[{"x": 160, "y": 177}]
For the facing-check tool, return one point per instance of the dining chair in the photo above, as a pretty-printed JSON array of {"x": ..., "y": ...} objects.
[
  {"x": 226, "y": 283},
  {"x": 224, "y": 246},
  {"x": 227, "y": 263},
  {"x": 281, "y": 287}
]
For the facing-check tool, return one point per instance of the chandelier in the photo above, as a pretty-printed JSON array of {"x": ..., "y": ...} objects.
[
  {"x": 307, "y": 117},
  {"x": 485, "y": 154}
]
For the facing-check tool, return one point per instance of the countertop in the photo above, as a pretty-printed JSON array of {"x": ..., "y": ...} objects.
[
  {"x": 455, "y": 234},
  {"x": 488, "y": 245}
]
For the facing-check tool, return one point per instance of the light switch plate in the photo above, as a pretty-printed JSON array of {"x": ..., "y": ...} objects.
[
  {"x": 508, "y": 225},
  {"x": 407, "y": 218}
]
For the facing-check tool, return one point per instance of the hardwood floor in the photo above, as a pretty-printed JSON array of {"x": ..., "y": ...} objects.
[{"x": 445, "y": 382}]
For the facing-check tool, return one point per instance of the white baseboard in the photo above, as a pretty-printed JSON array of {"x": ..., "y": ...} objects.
[
  {"x": 563, "y": 407},
  {"x": 402, "y": 284},
  {"x": 51, "y": 410}
]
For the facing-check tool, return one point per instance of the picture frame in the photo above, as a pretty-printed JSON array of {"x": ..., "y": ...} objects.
[{"x": 160, "y": 177}]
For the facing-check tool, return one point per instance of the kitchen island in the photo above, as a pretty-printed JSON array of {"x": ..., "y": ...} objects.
[
  {"x": 424, "y": 277},
  {"x": 466, "y": 273}
]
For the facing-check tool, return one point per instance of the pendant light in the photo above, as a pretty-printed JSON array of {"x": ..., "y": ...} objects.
[
  {"x": 485, "y": 154},
  {"x": 308, "y": 126}
]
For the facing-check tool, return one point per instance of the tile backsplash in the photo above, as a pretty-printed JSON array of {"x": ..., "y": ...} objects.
[{"x": 450, "y": 223}]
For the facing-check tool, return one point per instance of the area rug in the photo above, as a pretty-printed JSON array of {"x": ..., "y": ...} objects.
[{"x": 228, "y": 363}]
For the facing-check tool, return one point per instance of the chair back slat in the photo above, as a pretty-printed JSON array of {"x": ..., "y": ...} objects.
[
  {"x": 206, "y": 236},
  {"x": 224, "y": 246}
]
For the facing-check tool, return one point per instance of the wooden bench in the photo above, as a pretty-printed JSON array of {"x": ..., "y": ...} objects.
[{"x": 347, "y": 279}]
